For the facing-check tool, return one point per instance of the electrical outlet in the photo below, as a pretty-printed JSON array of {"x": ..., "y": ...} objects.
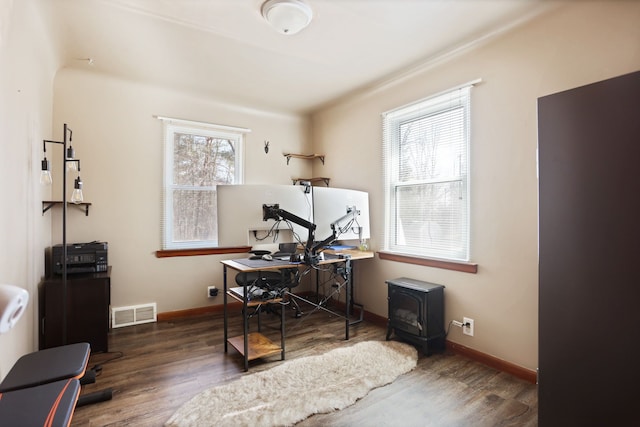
[
  {"x": 467, "y": 326},
  {"x": 212, "y": 291}
]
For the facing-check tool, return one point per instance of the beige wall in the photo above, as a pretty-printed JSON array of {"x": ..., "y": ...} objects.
[
  {"x": 571, "y": 46},
  {"x": 27, "y": 67},
  {"x": 120, "y": 145}
]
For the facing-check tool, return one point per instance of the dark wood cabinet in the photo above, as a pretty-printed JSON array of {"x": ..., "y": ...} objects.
[
  {"x": 589, "y": 281},
  {"x": 87, "y": 317}
]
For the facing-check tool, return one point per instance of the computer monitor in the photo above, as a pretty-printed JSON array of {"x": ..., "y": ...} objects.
[
  {"x": 331, "y": 204},
  {"x": 240, "y": 215}
]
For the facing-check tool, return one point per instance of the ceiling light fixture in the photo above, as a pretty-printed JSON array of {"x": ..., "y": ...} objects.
[{"x": 287, "y": 16}]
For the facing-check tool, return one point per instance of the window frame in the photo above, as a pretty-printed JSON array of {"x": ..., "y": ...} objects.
[
  {"x": 392, "y": 121},
  {"x": 171, "y": 127}
]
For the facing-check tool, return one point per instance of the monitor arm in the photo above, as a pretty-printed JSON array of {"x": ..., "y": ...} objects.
[
  {"x": 274, "y": 212},
  {"x": 310, "y": 250},
  {"x": 336, "y": 229}
]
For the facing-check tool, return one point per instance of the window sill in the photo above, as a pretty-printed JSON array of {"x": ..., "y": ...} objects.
[
  {"x": 465, "y": 267},
  {"x": 168, "y": 253}
]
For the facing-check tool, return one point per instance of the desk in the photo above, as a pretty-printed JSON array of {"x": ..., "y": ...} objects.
[{"x": 255, "y": 345}]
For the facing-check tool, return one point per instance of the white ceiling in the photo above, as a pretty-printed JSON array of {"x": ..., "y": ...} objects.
[{"x": 224, "y": 50}]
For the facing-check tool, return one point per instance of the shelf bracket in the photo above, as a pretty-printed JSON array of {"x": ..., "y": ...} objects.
[
  {"x": 86, "y": 209},
  {"x": 48, "y": 204}
]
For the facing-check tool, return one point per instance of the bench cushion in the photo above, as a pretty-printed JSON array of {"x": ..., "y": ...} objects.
[{"x": 46, "y": 366}]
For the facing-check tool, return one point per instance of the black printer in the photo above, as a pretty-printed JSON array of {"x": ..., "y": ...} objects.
[{"x": 81, "y": 258}]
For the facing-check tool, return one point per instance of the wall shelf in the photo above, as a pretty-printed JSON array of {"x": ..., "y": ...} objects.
[
  {"x": 48, "y": 204},
  {"x": 312, "y": 180},
  {"x": 304, "y": 156},
  {"x": 307, "y": 157}
]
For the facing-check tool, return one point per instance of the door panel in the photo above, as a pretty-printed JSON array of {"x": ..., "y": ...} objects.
[{"x": 589, "y": 232}]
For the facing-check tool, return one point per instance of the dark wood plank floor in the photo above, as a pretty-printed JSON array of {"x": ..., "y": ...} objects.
[{"x": 164, "y": 364}]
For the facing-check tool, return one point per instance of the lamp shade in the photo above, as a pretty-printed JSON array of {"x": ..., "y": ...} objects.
[
  {"x": 13, "y": 301},
  {"x": 287, "y": 16}
]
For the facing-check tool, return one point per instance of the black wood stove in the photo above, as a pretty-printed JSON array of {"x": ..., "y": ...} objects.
[{"x": 416, "y": 313}]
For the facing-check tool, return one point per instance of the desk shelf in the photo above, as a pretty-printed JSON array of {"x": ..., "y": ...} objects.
[
  {"x": 259, "y": 346},
  {"x": 251, "y": 345},
  {"x": 254, "y": 303}
]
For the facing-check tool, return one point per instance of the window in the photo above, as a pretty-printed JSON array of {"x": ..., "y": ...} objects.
[
  {"x": 426, "y": 165},
  {"x": 198, "y": 157}
]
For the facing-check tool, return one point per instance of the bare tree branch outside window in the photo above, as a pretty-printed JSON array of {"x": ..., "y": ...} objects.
[{"x": 200, "y": 163}]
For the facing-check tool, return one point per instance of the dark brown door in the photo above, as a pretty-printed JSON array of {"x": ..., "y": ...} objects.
[{"x": 589, "y": 245}]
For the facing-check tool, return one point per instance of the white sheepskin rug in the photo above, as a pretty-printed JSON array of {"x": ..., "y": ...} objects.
[{"x": 299, "y": 388}]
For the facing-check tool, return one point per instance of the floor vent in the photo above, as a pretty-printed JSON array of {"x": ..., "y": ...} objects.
[{"x": 133, "y": 315}]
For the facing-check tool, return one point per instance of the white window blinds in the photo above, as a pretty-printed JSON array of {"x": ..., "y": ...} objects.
[{"x": 426, "y": 173}]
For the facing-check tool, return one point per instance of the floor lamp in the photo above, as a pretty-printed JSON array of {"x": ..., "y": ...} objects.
[{"x": 69, "y": 162}]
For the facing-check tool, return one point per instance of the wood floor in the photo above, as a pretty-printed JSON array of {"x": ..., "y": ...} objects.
[{"x": 164, "y": 364}]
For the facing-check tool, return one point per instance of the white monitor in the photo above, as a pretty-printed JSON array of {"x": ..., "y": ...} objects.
[
  {"x": 332, "y": 204},
  {"x": 240, "y": 215}
]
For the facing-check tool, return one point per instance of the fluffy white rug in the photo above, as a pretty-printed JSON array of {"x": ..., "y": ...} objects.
[{"x": 299, "y": 388}]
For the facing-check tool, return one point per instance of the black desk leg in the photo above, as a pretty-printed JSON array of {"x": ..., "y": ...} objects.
[
  {"x": 282, "y": 317},
  {"x": 347, "y": 266},
  {"x": 354, "y": 304},
  {"x": 224, "y": 280},
  {"x": 245, "y": 321}
]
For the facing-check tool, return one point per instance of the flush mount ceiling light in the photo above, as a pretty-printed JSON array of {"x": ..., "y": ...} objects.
[{"x": 287, "y": 16}]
